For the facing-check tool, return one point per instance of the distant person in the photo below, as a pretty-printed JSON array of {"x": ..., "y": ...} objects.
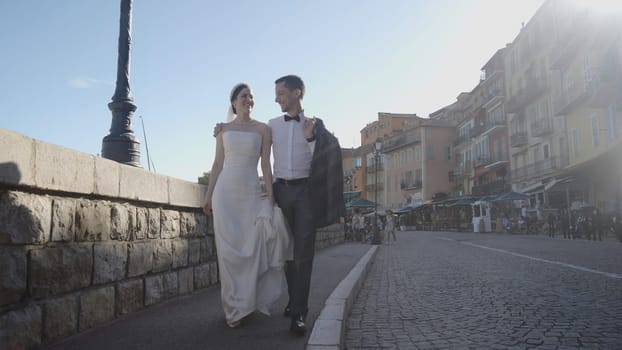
[
  {"x": 358, "y": 225},
  {"x": 389, "y": 227}
]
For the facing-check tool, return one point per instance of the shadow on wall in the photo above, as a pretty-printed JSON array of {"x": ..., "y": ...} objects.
[{"x": 9, "y": 174}]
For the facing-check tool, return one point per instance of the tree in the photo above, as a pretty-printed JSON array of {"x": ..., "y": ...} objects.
[{"x": 204, "y": 180}]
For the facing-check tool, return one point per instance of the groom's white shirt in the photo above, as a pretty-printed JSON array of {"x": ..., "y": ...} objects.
[{"x": 292, "y": 152}]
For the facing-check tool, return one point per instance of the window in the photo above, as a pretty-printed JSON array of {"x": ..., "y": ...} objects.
[
  {"x": 546, "y": 151},
  {"x": 448, "y": 152},
  {"x": 357, "y": 162},
  {"x": 575, "y": 142},
  {"x": 595, "y": 130},
  {"x": 418, "y": 153},
  {"x": 429, "y": 152},
  {"x": 504, "y": 148},
  {"x": 611, "y": 122}
]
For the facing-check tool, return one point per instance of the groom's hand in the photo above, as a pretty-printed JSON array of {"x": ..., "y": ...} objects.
[
  {"x": 217, "y": 129},
  {"x": 308, "y": 125}
]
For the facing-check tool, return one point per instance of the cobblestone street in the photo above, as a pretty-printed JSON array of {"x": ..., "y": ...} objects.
[{"x": 441, "y": 290}]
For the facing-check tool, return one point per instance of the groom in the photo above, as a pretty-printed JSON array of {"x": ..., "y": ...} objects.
[{"x": 308, "y": 187}]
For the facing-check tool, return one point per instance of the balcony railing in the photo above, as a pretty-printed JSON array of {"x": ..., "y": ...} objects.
[
  {"x": 541, "y": 127},
  {"x": 518, "y": 138},
  {"x": 482, "y": 161},
  {"x": 494, "y": 187},
  {"x": 537, "y": 169},
  {"x": 463, "y": 138},
  {"x": 533, "y": 89},
  {"x": 372, "y": 168},
  {"x": 411, "y": 185},
  {"x": 372, "y": 187},
  {"x": 488, "y": 125}
]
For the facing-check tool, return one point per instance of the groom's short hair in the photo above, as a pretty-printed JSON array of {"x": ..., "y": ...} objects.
[{"x": 292, "y": 82}]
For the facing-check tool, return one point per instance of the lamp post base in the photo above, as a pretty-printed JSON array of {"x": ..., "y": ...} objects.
[{"x": 124, "y": 148}]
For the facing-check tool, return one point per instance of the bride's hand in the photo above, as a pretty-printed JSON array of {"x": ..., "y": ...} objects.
[
  {"x": 207, "y": 207},
  {"x": 217, "y": 129}
]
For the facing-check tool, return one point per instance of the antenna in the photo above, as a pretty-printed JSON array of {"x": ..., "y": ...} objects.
[{"x": 149, "y": 162}]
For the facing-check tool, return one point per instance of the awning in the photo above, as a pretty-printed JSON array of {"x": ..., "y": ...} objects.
[
  {"x": 347, "y": 196},
  {"x": 514, "y": 196},
  {"x": 557, "y": 184},
  {"x": 535, "y": 188},
  {"x": 360, "y": 203}
]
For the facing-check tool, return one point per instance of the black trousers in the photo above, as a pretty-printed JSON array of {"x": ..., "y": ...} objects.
[{"x": 294, "y": 201}]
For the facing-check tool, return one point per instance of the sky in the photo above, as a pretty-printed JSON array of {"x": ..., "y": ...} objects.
[{"x": 357, "y": 58}]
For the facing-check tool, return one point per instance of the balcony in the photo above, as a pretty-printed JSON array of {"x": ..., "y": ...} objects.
[
  {"x": 493, "y": 187},
  {"x": 518, "y": 138},
  {"x": 541, "y": 127},
  {"x": 537, "y": 169},
  {"x": 482, "y": 161},
  {"x": 568, "y": 100},
  {"x": 461, "y": 171},
  {"x": 605, "y": 87},
  {"x": 533, "y": 89},
  {"x": 371, "y": 168},
  {"x": 411, "y": 185},
  {"x": 463, "y": 138},
  {"x": 492, "y": 98},
  {"x": 487, "y": 126}
]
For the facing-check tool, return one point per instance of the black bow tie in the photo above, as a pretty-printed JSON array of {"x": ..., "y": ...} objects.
[{"x": 288, "y": 118}]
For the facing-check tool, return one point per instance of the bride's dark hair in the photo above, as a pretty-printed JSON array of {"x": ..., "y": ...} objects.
[{"x": 235, "y": 92}]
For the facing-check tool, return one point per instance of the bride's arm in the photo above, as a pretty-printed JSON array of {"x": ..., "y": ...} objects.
[
  {"x": 213, "y": 177},
  {"x": 266, "y": 168}
]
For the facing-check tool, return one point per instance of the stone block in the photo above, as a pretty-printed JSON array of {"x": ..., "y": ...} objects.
[
  {"x": 130, "y": 296},
  {"x": 213, "y": 270},
  {"x": 21, "y": 329},
  {"x": 96, "y": 307},
  {"x": 180, "y": 253},
  {"x": 59, "y": 168},
  {"x": 202, "y": 276},
  {"x": 185, "y": 193},
  {"x": 17, "y": 159},
  {"x": 139, "y": 184},
  {"x": 154, "y": 289},
  {"x": 153, "y": 230},
  {"x": 142, "y": 224},
  {"x": 13, "y": 274},
  {"x": 140, "y": 258},
  {"x": 24, "y": 218},
  {"x": 123, "y": 221},
  {"x": 63, "y": 213},
  {"x": 186, "y": 280},
  {"x": 59, "y": 269},
  {"x": 208, "y": 249},
  {"x": 170, "y": 284},
  {"x": 194, "y": 251},
  {"x": 92, "y": 220},
  {"x": 203, "y": 227},
  {"x": 61, "y": 318},
  {"x": 188, "y": 224},
  {"x": 110, "y": 262},
  {"x": 169, "y": 223},
  {"x": 106, "y": 177},
  {"x": 162, "y": 255}
]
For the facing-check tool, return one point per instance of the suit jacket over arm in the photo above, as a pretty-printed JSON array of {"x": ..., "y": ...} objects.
[{"x": 326, "y": 178}]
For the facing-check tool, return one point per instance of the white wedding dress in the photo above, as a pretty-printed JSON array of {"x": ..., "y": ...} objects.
[{"x": 252, "y": 239}]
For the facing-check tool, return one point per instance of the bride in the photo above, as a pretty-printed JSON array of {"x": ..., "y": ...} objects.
[{"x": 252, "y": 240}]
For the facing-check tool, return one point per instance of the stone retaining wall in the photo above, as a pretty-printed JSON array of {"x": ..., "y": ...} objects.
[{"x": 84, "y": 240}]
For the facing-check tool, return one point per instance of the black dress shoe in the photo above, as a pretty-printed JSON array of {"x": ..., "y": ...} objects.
[
  {"x": 288, "y": 311},
  {"x": 298, "y": 327}
]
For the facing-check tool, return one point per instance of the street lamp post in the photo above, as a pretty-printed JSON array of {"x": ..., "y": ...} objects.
[
  {"x": 121, "y": 145},
  {"x": 377, "y": 149}
]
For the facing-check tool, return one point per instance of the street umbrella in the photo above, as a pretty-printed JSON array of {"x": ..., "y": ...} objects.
[{"x": 360, "y": 203}]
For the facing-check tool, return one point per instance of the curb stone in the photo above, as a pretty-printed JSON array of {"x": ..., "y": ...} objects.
[{"x": 329, "y": 328}]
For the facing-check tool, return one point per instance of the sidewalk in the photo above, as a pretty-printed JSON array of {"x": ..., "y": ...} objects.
[{"x": 196, "y": 321}]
